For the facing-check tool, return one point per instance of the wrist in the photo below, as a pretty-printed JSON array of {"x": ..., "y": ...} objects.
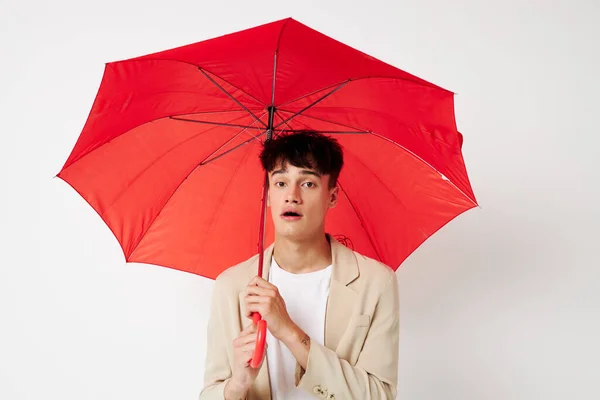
[
  {"x": 234, "y": 391},
  {"x": 293, "y": 334}
]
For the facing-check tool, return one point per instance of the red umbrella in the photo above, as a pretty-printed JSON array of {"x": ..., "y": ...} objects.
[{"x": 169, "y": 154}]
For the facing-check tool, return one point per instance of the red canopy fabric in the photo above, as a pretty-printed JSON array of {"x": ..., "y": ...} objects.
[{"x": 169, "y": 154}]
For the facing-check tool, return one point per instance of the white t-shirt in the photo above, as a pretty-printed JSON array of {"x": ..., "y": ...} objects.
[{"x": 305, "y": 297}]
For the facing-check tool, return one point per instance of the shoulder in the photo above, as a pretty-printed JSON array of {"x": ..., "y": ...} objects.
[
  {"x": 236, "y": 278},
  {"x": 374, "y": 273}
]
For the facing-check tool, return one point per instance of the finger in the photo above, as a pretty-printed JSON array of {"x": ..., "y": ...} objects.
[
  {"x": 251, "y": 338},
  {"x": 248, "y": 348},
  {"x": 259, "y": 291},
  {"x": 255, "y": 307},
  {"x": 248, "y": 329},
  {"x": 244, "y": 340},
  {"x": 260, "y": 282},
  {"x": 244, "y": 354},
  {"x": 247, "y": 352},
  {"x": 257, "y": 299},
  {"x": 252, "y": 303}
]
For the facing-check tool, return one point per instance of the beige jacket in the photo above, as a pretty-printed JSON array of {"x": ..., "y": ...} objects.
[{"x": 360, "y": 357}]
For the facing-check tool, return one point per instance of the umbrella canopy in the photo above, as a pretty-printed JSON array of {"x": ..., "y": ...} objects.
[{"x": 168, "y": 156}]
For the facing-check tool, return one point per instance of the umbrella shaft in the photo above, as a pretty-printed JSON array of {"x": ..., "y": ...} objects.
[
  {"x": 270, "y": 126},
  {"x": 261, "y": 233},
  {"x": 263, "y": 204}
]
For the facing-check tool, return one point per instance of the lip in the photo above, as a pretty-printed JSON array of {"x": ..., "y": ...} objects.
[{"x": 291, "y": 218}]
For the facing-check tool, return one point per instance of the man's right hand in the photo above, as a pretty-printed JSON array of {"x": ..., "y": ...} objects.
[{"x": 243, "y": 375}]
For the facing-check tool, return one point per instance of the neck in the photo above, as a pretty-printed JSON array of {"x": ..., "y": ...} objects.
[{"x": 305, "y": 256}]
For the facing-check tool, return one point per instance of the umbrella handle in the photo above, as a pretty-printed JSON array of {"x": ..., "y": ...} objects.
[{"x": 259, "y": 349}]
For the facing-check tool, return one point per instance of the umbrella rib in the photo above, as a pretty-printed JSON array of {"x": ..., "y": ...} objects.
[
  {"x": 426, "y": 84},
  {"x": 215, "y": 123},
  {"x": 206, "y": 161},
  {"x": 281, "y": 34},
  {"x": 288, "y": 125},
  {"x": 315, "y": 102},
  {"x": 326, "y": 132},
  {"x": 275, "y": 62},
  {"x": 229, "y": 95},
  {"x": 214, "y": 112},
  {"x": 274, "y": 74},
  {"x": 311, "y": 93},
  {"x": 195, "y": 66},
  {"x": 156, "y": 160},
  {"x": 215, "y": 213},
  {"x": 395, "y": 143},
  {"x": 444, "y": 177},
  {"x": 360, "y": 220},
  {"x": 358, "y": 130},
  {"x": 376, "y": 177},
  {"x": 203, "y": 162}
]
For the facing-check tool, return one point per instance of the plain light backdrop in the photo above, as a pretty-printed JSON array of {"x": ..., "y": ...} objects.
[{"x": 502, "y": 304}]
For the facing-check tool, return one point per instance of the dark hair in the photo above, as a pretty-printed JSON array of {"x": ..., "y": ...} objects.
[{"x": 304, "y": 149}]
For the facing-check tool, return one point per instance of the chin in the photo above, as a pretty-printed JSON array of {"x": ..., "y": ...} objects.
[
  {"x": 294, "y": 233},
  {"x": 290, "y": 233}
]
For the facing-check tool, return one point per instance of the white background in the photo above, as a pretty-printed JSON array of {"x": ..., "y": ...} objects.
[{"x": 501, "y": 304}]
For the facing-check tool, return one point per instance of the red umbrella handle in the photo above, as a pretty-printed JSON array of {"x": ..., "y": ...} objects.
[{"x": 259, "y": 349}]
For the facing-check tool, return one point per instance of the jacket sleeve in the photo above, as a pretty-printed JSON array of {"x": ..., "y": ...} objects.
[
  {"x": 375, "y": 374},
  {"x": 217, "y": 368}
]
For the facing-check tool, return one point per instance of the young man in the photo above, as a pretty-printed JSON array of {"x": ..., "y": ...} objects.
[{"x": 332, "y": 314}]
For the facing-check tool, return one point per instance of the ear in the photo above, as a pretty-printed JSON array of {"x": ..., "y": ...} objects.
[{"x": 333, "y": 196}]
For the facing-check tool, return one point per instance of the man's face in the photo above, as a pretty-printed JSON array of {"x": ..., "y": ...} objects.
[{"x": 299, "y": 199}]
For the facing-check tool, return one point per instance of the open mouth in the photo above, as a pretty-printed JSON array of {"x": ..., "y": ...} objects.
[{"x": 291, "y": 214}]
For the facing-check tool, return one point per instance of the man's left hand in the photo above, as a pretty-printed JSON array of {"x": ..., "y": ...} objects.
[{"x": 264, "y": 298}]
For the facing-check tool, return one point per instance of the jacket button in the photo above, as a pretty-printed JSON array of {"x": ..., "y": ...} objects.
[
  {"x": 324, "y": 393},
  {"x": 317, "y": 389},
  {"x": 331, "y": 397}
]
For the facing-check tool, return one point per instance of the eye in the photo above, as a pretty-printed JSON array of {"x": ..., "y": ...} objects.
[
  {"x": 310, "y": 184},
  {"x": 279, "y": 184}
]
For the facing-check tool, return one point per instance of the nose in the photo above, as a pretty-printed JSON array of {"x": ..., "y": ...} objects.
[{"x": 293, "y": 195}]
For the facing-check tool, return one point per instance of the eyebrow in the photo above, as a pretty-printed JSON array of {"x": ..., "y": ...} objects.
[{"x": 303, "y": 172}]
